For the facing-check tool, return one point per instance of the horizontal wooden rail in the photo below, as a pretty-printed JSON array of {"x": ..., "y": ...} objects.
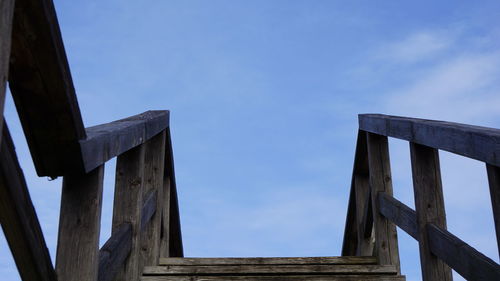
[
  {"x": 400, "y": 214},
  {"x": 475, "y": 142}
]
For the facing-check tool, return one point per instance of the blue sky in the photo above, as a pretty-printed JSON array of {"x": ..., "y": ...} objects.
[{"x": 264, "y": 97}]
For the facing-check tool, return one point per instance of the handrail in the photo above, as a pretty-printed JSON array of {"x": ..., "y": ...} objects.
[{"x": 425, "y": 137}]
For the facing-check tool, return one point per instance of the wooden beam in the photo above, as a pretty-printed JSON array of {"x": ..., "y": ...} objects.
[
  {"x": 80, "y": 226},
  {"x": 6, "y": 15},
  {"x": 154, "y": 170},
  {"x": 348, "y": 277},
  {"x": 429, "y": 206},
  {"x": 494, "y": 182},
  {"x": 364, "y": 217},
  {"x": 112, "y": 139},
  {"x": 128, "y": 205},
  {"x": 464, "y": 259},
  {"x": 19, "y": 220},
  {"x": 148, "y": 210},
  {"x": 268, "y": 261},
  {"x": 386, "y": 238},
  {"x": 475, "y": 142},
  {"x": 398, "y": 213},
  {"x": 114, "y": 252},
  {"x": 42, "y": 88}
]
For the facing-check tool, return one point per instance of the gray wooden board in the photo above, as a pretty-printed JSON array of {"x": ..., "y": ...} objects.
[
  {"x": 480, "y": 143},
  {"x": 269, "y": 261},
  {"x": 6, "y": 15},
  {"x": 108, "y": 140},
  {"x": 148, "y": 209},
  {"x": 277, "y": 278},
  {"x": 80, "y": 226},
  {"x": 114, "y": 252},
  {"x": 42, "y": 88},
  {"x": 398, "y": 213},
  {"x": 270, "y": 269},
  {"x": 464, "y": 259},
  {"x": 19, "y": 220}
]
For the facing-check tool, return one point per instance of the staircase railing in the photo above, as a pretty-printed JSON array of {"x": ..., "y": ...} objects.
[
  {"x": 373, "y": 213},
  {"x": 146, "y": 220}
]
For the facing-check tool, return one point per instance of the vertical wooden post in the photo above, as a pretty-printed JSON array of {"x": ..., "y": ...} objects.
[
  {"x": 386, "y": 239},
  {"x": 429, "y": 205},
  {"x": 128, "y": 204},
  {"x": 6, "y": 16},
  {"x": 362, "y": 186},
  {"x": 153, "y": 181},
  {"x": 494, "y": 182},
  {"x": 80, "y": 226}
]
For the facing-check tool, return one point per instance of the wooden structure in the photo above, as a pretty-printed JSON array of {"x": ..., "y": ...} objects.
[{"x": 146, "y": 236}]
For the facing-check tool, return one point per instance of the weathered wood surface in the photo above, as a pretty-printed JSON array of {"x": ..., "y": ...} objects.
[
  {"x": 269, "y": 261},
  {"x": 464, "y": 259},
  {"x": 6, "y": 15},
  {"x": 429, "y": 207},
  {"x": 386, "y": 239},
  {"x": 148, "y": 210},
  {"x": 269, "y": 269},
  {"x": 106, "y": 141},
  {"x": 170, "y": 236},
  {"x": 277, "y": 278},
  {"x": 494, "y": 183},
  {"x": 128, "y": 205},
  {"x": 154, "y": 170},
  {"x": 475, "y": 142},
  {"x": 398, "y": 213},
  {"x": 42, "y": 88},
  {"x": 364, "y": 216},
  {"x": 114, "y": 252},
  {"x": 80, "y": 226},
  {"x": 19, "y": 220}
]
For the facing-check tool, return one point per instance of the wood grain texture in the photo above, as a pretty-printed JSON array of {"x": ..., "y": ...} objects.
[
  {"x": 6, "y": 15},
  {"x": 398, "y": 213},
  {"x": 386, "y": 239},
  {"x": 128, "y": 205},
  {"x": 269, "y": 261},
  {"x": 429, "y": 206},
  {"x": 277, "y": 278},
  {"x": 269, "y": 269},
  {"x": 19, "y": 220},
  {"x": 114, "y": 252},
  {"x": 80, "y": 226},
  {"x": 494, "y": 183},
  {"x": 364, "y": 216},
  {"x": 154, "y": 170},
  {"x": 475, "y": 142},
  {"x": 41, "y": 85},
  {"x": 464, "y": 259},
  {"x": 108, "y": 140}
]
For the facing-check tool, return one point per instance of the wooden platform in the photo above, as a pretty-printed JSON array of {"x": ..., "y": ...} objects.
[{"x": 253, "y": 269}]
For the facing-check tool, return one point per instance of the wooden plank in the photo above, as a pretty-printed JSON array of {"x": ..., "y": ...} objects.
[
  {"x": 80, "y": 226},
  {"x": 112, "y": 139},
  {"x": 18, "y": 218},
  {"x": 114, "y": 252},
  {"x": 6, "y": 15},
  {"x": 277, "y": 278},
  {"x": 148, "y": 211},
  {"x": 429, "y": 206},
  {"x": 269, "y": 261},
  {"x": 269, "y": 269},
  {"x": 386, "y": 239},
  {"x": 398, "y": 213},
  {"x": 42, "y": 88},
  {"x": 464, "y": 259},
  {"x": 494, "y": 183},
  {"x": 128, "y": 204},
  {"x": 154, "y": 170},
  {"x": 170, "y": 236},
  {"x": 364, "y": 217},
  {"x": 475, "y": 142}
]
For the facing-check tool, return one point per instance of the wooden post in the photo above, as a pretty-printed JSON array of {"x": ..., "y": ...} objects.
[
  {"x": 494, "y": 182},
  {"x": 6, "y": 15},
  {"x": 153, "y": 181},
  {"x": 362, "y": 186},
  {"x": 386, "y": 238},
  {"x": 80, "y": 226},
  {"x": 128, "y": 204},
  {"x": 429, "y": 205}
]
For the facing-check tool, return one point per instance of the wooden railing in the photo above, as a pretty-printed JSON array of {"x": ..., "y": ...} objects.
[
  {"x": 146, "y": 222},
  {"x": 373, "y": 213}
]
